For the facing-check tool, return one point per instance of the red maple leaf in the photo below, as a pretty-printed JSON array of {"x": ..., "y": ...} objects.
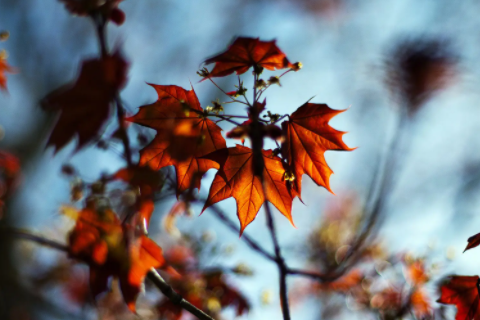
[
  {"x": 9, "y": 173},
  {"x": 4, "y": 68},
  {"x": 235, "y": 178},
  {"x": 108, "y": 8},
  {"x": 184, "y": 135},
  {"x": 85, "y": 106},
  {"x": 473, "y": 242},
  {"x": 99, "y": 239},
  {"x": 462, "y": 291},
  {"x": 244, "y": 53},
  {"x": 307, "y": 136}
]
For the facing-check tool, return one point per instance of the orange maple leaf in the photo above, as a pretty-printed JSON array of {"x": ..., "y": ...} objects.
[
  {"x": 463, "y": 292},
  {"x": 4, "y": 67},
  {"x": 99, "y": 239},
  {"x": 85, "y": 106},
  {"x": 244, "y": 53},
  {"x": 183, "y": 136},
  {"x": 235, "y": 178},
  {"x": 307, "y": 136}
]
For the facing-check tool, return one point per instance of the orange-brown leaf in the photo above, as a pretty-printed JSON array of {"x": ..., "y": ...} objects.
[
  {"x": 235, "y": 178},
  {"x": 417, "y": 273},
  {"x": 100, "y": 240},
  {"x": 144, "y": 255},
  {"x": 244, "y": 53},
  {"x": 182, "y": 137},
  {"x": 462, "y": 291},
  {"x": 307, "y": 136},
  {"x": 85, "y": 106},
  {"x": 420, "y": 304}
]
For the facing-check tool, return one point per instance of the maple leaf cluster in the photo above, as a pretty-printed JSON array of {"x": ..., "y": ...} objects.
[
  {"x": 188, "y": 138},
  {"x": 193, "y": 144}
]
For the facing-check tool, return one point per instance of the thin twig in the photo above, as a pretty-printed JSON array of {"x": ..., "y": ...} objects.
[
  {"x": 232, "y": 226},
  {"x": 123, "y": 130},
  {"x": 384, "y": 186},
  {"x": 233, "y": 99},
  {"x": 35, "y": 238},
  {"x": 176, "y": 298}
]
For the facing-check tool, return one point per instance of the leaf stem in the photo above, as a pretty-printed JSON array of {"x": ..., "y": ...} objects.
[{"x": 233, "y": 99}]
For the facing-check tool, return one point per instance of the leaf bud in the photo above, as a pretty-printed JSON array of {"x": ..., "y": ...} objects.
[
  {"x": 98, "y": 187},
  {"x": 217, "y": 107},
  {"x": 241, "y": 89},
  {"x": 274, "y": 80},
  {"x": 289, "y": 176},
  {"x": 243, "y": 269},
  {"x": 273, "y": 116},
  {"x": 4, "y": 35},
  {"x": 297, "y": 66},
  {"x": 203, "y": 72},
  {"x": 76, "y": 190},
  {"x": 260, "y": 84}
]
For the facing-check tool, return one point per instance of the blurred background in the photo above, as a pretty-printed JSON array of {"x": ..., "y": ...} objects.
[{"x": 407, "y": 72}]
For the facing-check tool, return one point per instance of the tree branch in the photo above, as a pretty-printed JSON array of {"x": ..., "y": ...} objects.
[{"x": 282, "y": 268}]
